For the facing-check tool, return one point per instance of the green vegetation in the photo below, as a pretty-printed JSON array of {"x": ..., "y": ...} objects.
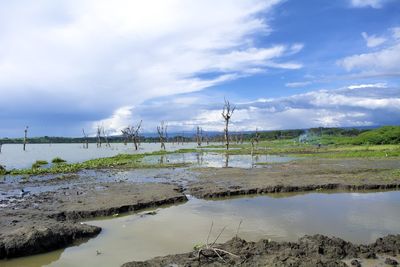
[
  {"x": 383, "y": 135},
  {"x": 2, "y": 170},
  {"x": 118, "y": 161},
  {"x": 58, "y": 160},
  {"x": 381, "y": 142},
  {"x": 39, "y": 163}
]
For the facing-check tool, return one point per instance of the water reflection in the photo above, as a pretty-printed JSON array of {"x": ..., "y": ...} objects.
[
  {"x": 217, "y": 160},
  {"x": 354, "y": 217}
]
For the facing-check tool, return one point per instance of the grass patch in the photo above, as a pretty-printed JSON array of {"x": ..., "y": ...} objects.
[
  {"x": 58, "y": 160},
  {"x": 118, "y": 161},
  {"x": 39, "y": 163}
]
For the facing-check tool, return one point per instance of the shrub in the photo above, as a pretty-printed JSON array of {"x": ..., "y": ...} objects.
[
  {"x": 58, "y": 160},
  {"x": 39, "y": 163}
]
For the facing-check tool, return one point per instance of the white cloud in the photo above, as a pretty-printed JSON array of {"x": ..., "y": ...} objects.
[
  {"x": 367, "y": 3},
  {"x": 373, "y": 40},
  {"x": 120, "y": 119},
  {"x": 95, "y": 57},
  {"x": 382, "y": 61},
  {"x": 354, "y": 105},
  {"x": 297, "y": 84},
  {"x": 396, "y": 32},
  {"x": 370, "y": 85}
]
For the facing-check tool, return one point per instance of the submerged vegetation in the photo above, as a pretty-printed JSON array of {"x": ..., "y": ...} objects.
[
  {"x": 58, "y": 160},
  {"x": 118, "y": 161},
  {"x": 39, "y": 163},
  {"x": 326, "y": 143}
]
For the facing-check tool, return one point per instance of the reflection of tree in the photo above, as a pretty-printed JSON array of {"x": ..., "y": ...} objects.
[
  {"x": 226, "y": 160},
  {"x": 163, "y": 159},
  {"x": 200, "y": 158}
]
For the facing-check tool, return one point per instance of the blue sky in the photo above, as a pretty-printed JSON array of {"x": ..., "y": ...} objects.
[{"x": 68, "y": 65}]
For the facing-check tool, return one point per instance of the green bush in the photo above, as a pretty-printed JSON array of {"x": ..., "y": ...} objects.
[
  {"x": 382, "y": 136},
  {"x": 58, "y": 160},
  {"x": 39, "y": 163},
  {"x": 2, "y": 170}
]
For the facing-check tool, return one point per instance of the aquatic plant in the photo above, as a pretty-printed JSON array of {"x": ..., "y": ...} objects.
[
  {"x": 39, "y": 163},
  {"x": 58, "y": 160}
]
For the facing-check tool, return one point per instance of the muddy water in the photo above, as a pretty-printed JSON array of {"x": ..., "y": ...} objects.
[
  {"x": 12, "y": 155},
  {"x": 356, "y": 217},
  {"x": 217, "y": 160}
]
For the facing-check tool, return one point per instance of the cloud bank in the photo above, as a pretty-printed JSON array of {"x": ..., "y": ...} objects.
[{"x": 86, "y": 60}]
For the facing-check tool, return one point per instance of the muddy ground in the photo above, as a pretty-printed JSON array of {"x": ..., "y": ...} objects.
[
  {"x": 316, "y": 250},
  {"x": 51, "y": 216},
  {"x": 51, "y": 220},
  {"x": 296, "y": 176}
]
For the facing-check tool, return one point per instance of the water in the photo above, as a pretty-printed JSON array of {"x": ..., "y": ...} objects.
[
  {"x": 12, "y": 155},
  {"x": 217, "y": 160},
  {"x": 356, "y": 217}
]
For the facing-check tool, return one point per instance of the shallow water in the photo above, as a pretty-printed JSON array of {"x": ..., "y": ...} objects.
[
  {"x": 217, "y": 160},
  {"x": 356, "y": 217},
  {"x": 12, "y": 155}
]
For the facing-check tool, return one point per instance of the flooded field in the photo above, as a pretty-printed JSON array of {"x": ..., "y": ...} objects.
[
  {"x": 356, "y": 217},
  {"x": 12, "y": 155},
  {"x": 217, "y": 160}
]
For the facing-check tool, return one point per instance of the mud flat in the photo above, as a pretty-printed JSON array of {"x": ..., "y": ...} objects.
[
  {"x": 45, "y": 221},
  {"x": 298, "y": 176},
  {"x": 315, "y": 250},
  {"x": 51, "y": 220}
]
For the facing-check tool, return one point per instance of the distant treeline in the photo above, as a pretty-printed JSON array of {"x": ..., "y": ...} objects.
[{"x": 207, "y": 136}]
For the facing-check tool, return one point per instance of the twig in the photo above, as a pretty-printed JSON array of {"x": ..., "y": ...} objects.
[{"x": 237, "y": 231}]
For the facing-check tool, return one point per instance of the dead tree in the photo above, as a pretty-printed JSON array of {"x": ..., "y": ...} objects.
[
  {"x": 199, "y": 136},
  {"x": 85, "y": 137},
  {"x": 257, "y": 137},
  {"x": 25, "y": 137},
  {"x": 241, "y": 137},
  {"x": 227, "y": 113},
  {"x": 1, "y": 144},
  {"x": 132, "y": 133},
  {"x": 105, "y": 135},
  {"x": 162, "y": 134},
  {"x": 98, "y": 135}
]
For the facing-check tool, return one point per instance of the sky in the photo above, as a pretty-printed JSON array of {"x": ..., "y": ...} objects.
[{"x": 284, "y": 64}]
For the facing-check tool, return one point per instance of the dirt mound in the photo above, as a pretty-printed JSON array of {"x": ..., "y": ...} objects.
[{"x": 316, "y": 250}]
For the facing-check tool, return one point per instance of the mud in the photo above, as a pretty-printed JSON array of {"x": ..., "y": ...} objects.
[
  {"x": 316, "y": 250},
  {"x": 304, "y": 175},
  {"x": 51, "y": 216},
  {"x": 51, "y": 220}
]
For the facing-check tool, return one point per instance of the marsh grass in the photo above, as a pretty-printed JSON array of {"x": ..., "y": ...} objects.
[{"x": 118, "y": 161}]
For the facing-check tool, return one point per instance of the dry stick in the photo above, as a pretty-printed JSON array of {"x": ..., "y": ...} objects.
[
  {"x": 215, "y": 250},
  {"x": 237, "y": 231}
]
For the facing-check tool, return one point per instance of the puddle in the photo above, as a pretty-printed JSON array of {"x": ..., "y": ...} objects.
[
  {"x": 216, "y": 160},
  {"x": 356, "y": 217}
]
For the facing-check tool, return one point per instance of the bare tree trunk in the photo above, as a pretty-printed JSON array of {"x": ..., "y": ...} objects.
[
  {"x": 1, "y": 144},
  {"x": 257, "y": 136},
  {"x": 199, "y": 136},
  {"x": 25, "y": 137},
  {"x": 162, "y": 134},
  {"x": 227, "y": 112},
  {"x": 86, "y": 145},
  {"x": 105, "y": 135},
  {"x": 99, "y": 128}
]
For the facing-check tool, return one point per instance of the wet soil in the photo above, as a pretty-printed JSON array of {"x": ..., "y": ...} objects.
[
  {"x": 50, "y": 220},
  {"x": 297, "y": 176},
  {"x": 52, "y": 216},
  {"x": 316, "y": 250}
]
